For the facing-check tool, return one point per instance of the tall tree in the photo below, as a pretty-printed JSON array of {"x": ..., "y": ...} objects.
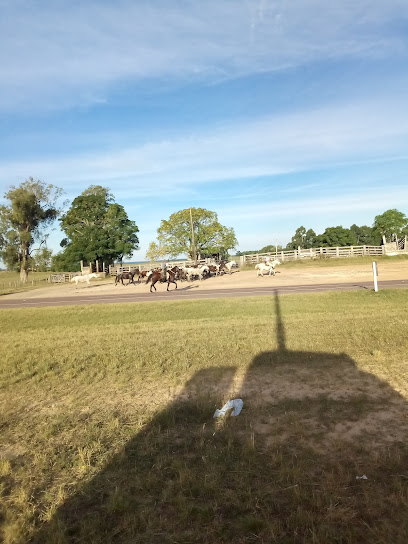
[
  {"x": 42, "y": 259},
  {"x": 366, "y": 236},
  {"x": 97, "y": 228},
  {"x": 310, "y": 239},
  {"x": 176, "y": 237},
  {"x": 391, "y": 224},
  {"x": 337, "y": 237},
  {"x": 271, "y": 248},
  {"x": 31, "y": 209},
  {"x": 302, "y": 238}
]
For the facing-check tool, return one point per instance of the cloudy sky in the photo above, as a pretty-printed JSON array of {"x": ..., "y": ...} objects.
[{"x": 274, "y": 114}]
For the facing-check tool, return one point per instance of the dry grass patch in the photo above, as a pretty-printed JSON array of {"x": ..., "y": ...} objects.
[{"x": 108, "y": 435}]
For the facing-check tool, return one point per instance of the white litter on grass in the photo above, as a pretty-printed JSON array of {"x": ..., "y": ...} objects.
[
  {"x": 236, "y": 404},
  {"x": 363, "y": 477}
]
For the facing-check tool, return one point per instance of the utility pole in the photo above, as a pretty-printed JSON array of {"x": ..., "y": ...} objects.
[{"x": 192, "y": 238}]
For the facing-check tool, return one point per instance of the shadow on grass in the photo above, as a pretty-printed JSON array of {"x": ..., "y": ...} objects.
[{"x": 283, "y": 471}]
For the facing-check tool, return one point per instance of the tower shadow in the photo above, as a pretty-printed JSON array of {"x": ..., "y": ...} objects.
[{"x": 285, "y": 470}]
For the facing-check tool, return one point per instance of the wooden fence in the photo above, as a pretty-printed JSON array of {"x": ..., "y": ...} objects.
[
  {"x": 315, "y": 253},
  {"x": 17, "y": 284},
  {"x": 63, "y": 277}
]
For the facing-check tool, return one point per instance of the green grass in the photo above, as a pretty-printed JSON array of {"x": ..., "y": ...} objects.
[
  {"x": 108, "y": 436},
  {"x": 10, "y": 281}
]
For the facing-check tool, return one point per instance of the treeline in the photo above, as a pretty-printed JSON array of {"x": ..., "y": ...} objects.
[
  {"x": 388, "y": 226},
  {"x": 95, "y": 227}
]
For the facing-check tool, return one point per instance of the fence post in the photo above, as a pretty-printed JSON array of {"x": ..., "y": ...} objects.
[
  {"x": 364, "y": 250},
  {"x": 352, "y": 250},
  {"x": 282, "y": 256},
  {"x": 337, "y": 252}
]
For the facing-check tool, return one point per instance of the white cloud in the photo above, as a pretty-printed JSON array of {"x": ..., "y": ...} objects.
[
  {"x": 274, "y": 145},
  {"x": 66, "y": 53}
]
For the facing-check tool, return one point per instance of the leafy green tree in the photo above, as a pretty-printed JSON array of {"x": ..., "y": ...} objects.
[
  {"x": 302, "y": 238},
  {"x": 174, "y": 236},
  {"x": 270, "y": 249},
  {"x": 337, "y": 237},
  {"x": 391, "y": 224},
  {"x": 365, "y": 235},
  {"x": 298, "y": 238},
  {"x": 310, "y": 239},
  {"x": 97, "y": 228},
  {"x": 65, "y": 261},
  {"x": 155, "y": 253},
  {"x": 31, "y": 209},
  {"x": 42, "y": 259}
]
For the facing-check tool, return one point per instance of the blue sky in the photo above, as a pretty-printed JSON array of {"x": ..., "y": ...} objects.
[{"x": 274, "y": 114}]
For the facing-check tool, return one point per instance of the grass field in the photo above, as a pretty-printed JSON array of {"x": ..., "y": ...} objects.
[
  {"x": 107, "y": 432},
  {"x": 10, "y": 281}
]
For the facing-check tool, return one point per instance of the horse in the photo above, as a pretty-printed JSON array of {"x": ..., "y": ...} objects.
[
  {"x": 213, "y": 269},
  {"x": 178, "y": 273},
  {"x": 128, "y": 276},
  {"x": 193, "y": 271},
  {"x": 85, "y": 278},
  {"x": 158, "y": 276},
  {"x": 266, "y": 267},
  {"x": 227, "y": 266}
]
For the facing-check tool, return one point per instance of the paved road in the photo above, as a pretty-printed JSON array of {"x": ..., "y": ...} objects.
[{"x": 192, "y": 292}]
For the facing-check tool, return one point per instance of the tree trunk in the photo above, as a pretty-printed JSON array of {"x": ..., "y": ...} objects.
[{"x": 24, "y": 264}]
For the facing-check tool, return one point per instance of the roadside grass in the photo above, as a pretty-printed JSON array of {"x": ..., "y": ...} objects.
[{"x": 108, "y": 435}]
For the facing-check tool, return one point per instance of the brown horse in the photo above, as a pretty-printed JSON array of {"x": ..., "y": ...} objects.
[
  {"x": 128, "y": 276},
  {"x": 158, "y": 276},
  {"x": 178, "y": 273}
]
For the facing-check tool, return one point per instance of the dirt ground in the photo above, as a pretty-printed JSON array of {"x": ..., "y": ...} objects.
[{"x": 308, "y": 275}]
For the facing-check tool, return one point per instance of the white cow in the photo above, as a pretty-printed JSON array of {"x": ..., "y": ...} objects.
[
  {"x": 266, "y": 267},
  {"x": 82, "y": 279}
]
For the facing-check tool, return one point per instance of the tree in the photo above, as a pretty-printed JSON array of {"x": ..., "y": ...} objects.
[
  {"x": 302, "y": 238},
  {"x": 337, "y": 237},
  {"x": 365, "y": 235},
  {"x": 155, "y": 253},
  {"x": 65, "y": 261},
  {"x": 310, "y": 239},
  {"x": 271, "y": 248},
  {"x": 42, "y": 259},
  {"x": 298, "y": 238},
  {"x": 32, "y": 208},
  {"x": 391, "y": 224},
  {"x": 97, "y": 228},
  {"x": 174, "y": 236}
]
